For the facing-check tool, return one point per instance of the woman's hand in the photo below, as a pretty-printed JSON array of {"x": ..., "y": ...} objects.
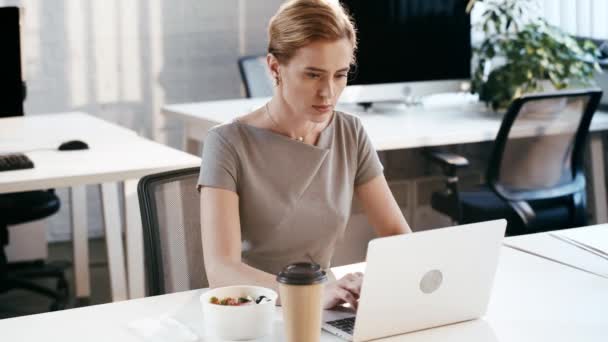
[{"x": 344, "y": 290}]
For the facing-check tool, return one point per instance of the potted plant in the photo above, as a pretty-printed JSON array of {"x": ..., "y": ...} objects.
[{"x": 522, "y": 53}]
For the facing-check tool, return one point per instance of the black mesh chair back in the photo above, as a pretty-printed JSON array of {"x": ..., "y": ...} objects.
[
  {"x": 539, "y": 150},
  {"x": 170, "y": 212},
  {"x": 256, "y": 76}
]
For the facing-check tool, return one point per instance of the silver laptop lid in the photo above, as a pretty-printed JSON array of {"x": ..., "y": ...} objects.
[{"x": 428, "y": 279}]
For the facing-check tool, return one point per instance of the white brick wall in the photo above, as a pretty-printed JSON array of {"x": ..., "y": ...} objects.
[{"x": 122, "y": 60}]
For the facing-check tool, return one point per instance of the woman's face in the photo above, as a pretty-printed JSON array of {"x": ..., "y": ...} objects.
[{"x": 312, "y": 81}]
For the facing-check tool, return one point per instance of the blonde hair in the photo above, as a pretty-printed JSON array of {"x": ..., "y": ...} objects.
[{"x": 298, "y": 23}]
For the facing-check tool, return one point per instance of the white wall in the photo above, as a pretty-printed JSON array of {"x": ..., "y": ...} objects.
[
  {"x": 587, "y": 18},
  {"x": 122, "y": 60}
]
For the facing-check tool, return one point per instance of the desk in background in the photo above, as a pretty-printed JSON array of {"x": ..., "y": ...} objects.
[
  {"x": 533, "y": 300},
  {"x": 557, "y": 246},
  {"x": 411, "y": 128},
  {"x": 115, "y": 154}
]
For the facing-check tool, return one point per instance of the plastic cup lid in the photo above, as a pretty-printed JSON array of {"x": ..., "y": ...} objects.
[{"x": 302, "y": 273}]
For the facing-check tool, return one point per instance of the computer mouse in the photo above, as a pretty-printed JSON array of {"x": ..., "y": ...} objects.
[{"x": 73, "y": 145}]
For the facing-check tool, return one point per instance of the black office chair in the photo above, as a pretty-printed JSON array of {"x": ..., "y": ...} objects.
[
  {"x": 256, "y": 76},
  {"x": 22, "y": 207},
  {"x": 535, "y": 177},
  {"x": 17, "y": 208},
  {"x": 170, "y": 213}
]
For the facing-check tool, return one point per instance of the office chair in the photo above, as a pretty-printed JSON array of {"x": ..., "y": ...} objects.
[
  {"x": 17, "y": 208},
  {"x": 256, "y": 76},
  {"x": 535, "y": 177},
  {"x": 22, "y": 207},
  {"x": 170, "y": 213}
]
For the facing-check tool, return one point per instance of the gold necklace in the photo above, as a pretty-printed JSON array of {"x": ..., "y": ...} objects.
[{"x": 300, "y": 138}]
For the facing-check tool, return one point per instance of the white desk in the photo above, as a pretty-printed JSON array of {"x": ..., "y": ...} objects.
[
  {"x": 411, "y": 128},
  {"x": 115, "y": 154},
  {"x": 533, "y": 300},
  {"x": 550, "y": 247}
]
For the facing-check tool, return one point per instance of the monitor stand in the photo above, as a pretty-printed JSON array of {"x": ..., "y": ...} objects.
[
  {"x": 410, "y": 93},
  {"x": 377, "y": 107},
  {"x": 365, "y": 105},
  {"x": 383, "y": 107},
  {"x": 432, "y": 102}
]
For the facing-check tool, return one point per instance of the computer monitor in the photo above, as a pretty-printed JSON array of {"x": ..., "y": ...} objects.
[
  {"x": 411, "y": 40},
  {"x": 11, "y": 81},
  {"x": 409, "y": 49}
]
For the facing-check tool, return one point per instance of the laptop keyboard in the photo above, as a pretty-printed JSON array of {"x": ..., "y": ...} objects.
[{"x": 346, "y": 324}]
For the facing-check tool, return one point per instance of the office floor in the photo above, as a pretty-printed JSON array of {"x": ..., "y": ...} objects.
[{"x": 19, "y": 303}]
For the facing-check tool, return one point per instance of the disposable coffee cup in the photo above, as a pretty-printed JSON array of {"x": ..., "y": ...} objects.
[{"x": 301, "y": 290}]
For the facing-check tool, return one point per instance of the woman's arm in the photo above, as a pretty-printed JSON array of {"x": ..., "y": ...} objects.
[
  {"x": 381, "y": 208},
  {"x": 221, "y": 234}
]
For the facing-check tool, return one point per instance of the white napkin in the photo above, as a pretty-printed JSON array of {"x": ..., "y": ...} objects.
[
  {"x": 179, "y": 325},
  {"x": 162, "y": 329}
]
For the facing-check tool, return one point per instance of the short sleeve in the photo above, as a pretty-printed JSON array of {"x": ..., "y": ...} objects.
[
  {"x": 219, "y": 166},
  {"x": 368, "y": 163}
]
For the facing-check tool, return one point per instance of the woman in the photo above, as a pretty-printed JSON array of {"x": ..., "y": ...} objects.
[{"x": 281, "y": 179}]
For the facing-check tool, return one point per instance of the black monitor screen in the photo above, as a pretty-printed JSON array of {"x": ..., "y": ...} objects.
[
  {"x": 411, "y": 40},
  {"x": 11, "y": 94}
]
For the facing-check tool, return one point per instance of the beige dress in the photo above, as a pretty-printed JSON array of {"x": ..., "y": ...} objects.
[{"x": 294, "y": 198}]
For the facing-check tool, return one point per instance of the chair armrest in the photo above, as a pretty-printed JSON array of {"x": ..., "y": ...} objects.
[
  {"x": 448, "y": 201},
  {"x": 449, "y": 162}
]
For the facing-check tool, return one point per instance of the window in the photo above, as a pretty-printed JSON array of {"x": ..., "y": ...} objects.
[{"x": 585, "y": 18}]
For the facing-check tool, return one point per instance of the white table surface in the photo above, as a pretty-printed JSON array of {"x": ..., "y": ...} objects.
[
  {"x": 52, "y": 130},
  {"x": 402, "y": 128},
  {"x": 104, "y": 161},
  {"x": 398, "y": 129},
  {"x": 545, "y": 245},
  {"x": 533, "y": 300},
  {"x": 115, "y": 154}
]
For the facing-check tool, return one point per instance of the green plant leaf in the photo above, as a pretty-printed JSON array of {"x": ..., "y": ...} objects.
[{"x": 530, "y": 52}]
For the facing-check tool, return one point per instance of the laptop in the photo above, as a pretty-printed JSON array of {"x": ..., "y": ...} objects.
[{"x": 423, "y": 280}]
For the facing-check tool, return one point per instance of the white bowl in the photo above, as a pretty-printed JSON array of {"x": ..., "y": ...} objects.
[{"x": 238, "y": 322}]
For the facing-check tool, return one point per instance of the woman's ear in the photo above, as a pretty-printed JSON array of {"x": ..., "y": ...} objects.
[{"x": 274, "y": 67}]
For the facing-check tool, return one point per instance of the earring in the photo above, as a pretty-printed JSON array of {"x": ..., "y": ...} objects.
[{"x": 277, "y": 81}]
